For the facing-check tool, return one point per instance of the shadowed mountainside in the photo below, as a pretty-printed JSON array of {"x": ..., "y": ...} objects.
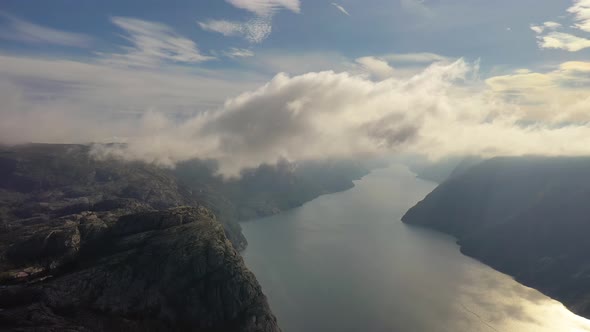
[
  {"x": 528, "y": 217},
  {"x": 89, "y": 245}
]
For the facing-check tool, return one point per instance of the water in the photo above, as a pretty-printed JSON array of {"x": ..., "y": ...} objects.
[{"x": 344, "y": 262}]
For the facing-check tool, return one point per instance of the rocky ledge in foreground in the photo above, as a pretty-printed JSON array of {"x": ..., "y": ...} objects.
[{"x": 148, "y": 271}]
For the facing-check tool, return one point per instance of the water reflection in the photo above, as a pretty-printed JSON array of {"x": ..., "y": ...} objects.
[{"x": 345, "y": 262}]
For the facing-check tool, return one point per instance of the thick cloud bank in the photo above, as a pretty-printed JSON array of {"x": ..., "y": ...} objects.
[{"x": 441, "y": 111}]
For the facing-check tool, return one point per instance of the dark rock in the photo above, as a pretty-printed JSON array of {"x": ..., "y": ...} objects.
[
  {"x": 52, "y": 248},
  {"x": 175, "y": 271}
]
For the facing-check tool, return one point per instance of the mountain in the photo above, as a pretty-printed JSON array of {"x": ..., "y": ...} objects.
[
  {"x": 526, "y": 216},
  {"x": 440, "y": 170},
  {"x": 268, "y": 189},
  {"x": 104, "y": 245}
]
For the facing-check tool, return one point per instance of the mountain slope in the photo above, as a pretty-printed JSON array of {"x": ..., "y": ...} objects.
[
  {"x": 528, "y": 217},
  {"x": 89, "y": 245}
]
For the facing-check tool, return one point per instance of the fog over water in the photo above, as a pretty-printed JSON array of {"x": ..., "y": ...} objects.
[{"x": 345, "y": 262}]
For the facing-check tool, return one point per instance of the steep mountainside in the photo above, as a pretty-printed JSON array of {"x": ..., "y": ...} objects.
[
  {"x": 528, "y": 217},
  {"x": 90, "y": 245}
]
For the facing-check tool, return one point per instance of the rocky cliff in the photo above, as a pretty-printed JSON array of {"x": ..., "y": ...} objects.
[
  {"x": 90, "y": 245},
  {"x": 528, "y": 217}
]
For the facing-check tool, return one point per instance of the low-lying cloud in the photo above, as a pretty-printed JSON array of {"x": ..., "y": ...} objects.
[
  {"x": 443, "y": 110},
  {"x": 438, "y": 112}
]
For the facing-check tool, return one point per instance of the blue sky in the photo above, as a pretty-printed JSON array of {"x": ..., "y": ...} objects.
[
  {"x": 428, "y": 76},
  {"x": 498, "y": 32}
]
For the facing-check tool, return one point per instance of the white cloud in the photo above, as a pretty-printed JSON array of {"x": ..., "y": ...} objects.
[
  {"x": 328, "y": 115},
  {"x": 21, "y": 30},
  {"x": 238, "y": 53},
  {"x": 581, "y": 11},
  {"x": 152, "y": 44},
  {"x": 564, "y": 41},
  {"x": 557, "y": 96},
  {"x": 538, "y": 29},
  {"x": 340, "y": 8},
  {"x": 254, "y": 30},
  {"x": 376, "y": 67},
  {"x": 266, "y": 7},
  {"x": 552, "y": 25},
  {"x": 168, "y": 115},
  {"x": 549, "y": 37}
]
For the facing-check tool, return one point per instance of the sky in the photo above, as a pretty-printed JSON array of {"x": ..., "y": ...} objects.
[{"x": 255, "y": 81}]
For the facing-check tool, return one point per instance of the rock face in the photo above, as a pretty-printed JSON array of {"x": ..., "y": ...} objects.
[
  {"x": 53, "y": 180},
  {"x": 528, "y": 217},
  {"x": 89, "y": 245},
  {"x": 149, "y": 271}
]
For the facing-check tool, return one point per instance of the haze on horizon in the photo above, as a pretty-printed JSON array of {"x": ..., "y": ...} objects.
[{"x": 256, "y": 81}]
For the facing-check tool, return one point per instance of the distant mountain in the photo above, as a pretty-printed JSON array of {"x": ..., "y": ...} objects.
[
  {"x": 89, "y": 245},
  {"x": 440, "y": 170},
  {"x": 526, "y": 216},
  {"x": 268, "y": 189}
]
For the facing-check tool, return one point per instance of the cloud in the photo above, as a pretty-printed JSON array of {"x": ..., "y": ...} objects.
[
  {"x": 419, "y": 58},
  {"x": 537, "y": 29},
  {"x": 552, "y": 25},
  {"x": 340, "y": 8},
  {"x": 581, "y": 11},
  {"x": 238, "y": 53},
  {"x": 437, "y": 113},
  {"x": 24, "y": 31},
  {"x": 549, "y": 38},
  {"x": 564, "y": 41},
  {"x": 557, "y": 97},
  {"x": 255, "y": 30},
  {"x": 376, "y": 67},
  {"x": 266, "y": 7},
  {"x": 171, "y": 114},
  {"x": 64, "y": 101},
  {"x": 152, "y": 44}
]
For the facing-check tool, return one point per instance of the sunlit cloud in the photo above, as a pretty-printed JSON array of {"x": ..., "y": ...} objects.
[
  {"x": 550, "y": 38},
  {"x": 376, "y": 67},
  {"x": 581, "y": 11}
]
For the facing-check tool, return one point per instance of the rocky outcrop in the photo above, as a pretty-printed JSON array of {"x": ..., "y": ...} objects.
[
  {"x": 106, "y": 245},
  {"x": 147, "y": 271},
  {"x": 525, "y": 216},
  {"x": 54, "y": 180}
]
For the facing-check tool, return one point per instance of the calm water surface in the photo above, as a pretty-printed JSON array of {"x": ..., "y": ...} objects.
[{"x": 345, "y": 262}]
